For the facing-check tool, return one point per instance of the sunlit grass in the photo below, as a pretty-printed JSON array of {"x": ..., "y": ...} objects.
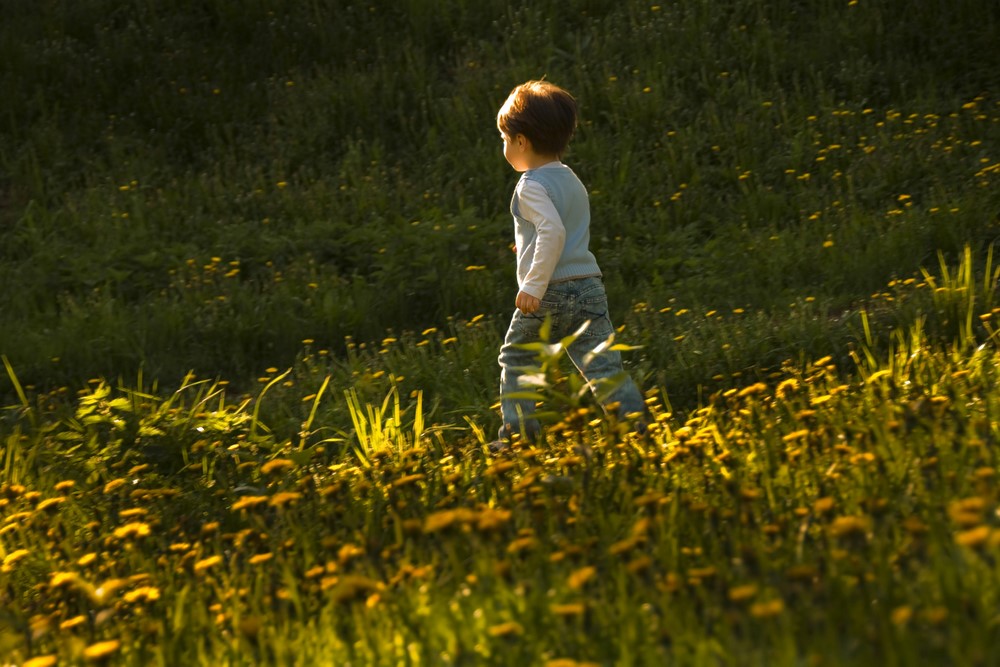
[
  {"x": 838, "y": 515},
  {"x": 256, "y": 269}
]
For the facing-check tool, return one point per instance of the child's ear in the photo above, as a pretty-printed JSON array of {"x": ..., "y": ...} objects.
[{"x": 522, "y": 142}]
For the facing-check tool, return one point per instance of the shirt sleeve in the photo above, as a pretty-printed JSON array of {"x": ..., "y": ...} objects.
[{"x": 536, "y": 207}]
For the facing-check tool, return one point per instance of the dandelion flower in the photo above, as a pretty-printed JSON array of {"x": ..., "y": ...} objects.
[
  {"x": 62, "y": 579},
  {"x": 573, "y": 609},
  {"x": 511, "y": 628},
  {"x": 768, "y": 609},
  {"x": 285, "y": 498},
  {"x": 578, "y": 578},
  {"x": 50, "y": 503},
  {"x": 973, "y": 537},
  {"x": 843, "y": 526},
  {"x": 11, "y": 559},
  {"x": 207, "y": 563},
  {"x": 134, "y": 529},
  {"x": 114, "y": 485},
  {"x": 276, "y": 466},
  {"x": 143, "y": 594},
  {"x": 492, "y": 519},
  {"x": 74, "y": 622},
  {"x": 247, "y": 502},
  {"x": 101, "y": 650},
  {"x": 742, "y": 593},
  {"x": 901, "y": 615},
  {"x": 42, "y": 661}
]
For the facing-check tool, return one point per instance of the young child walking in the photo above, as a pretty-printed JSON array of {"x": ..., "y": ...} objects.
[{"x": 558, "y": 277}]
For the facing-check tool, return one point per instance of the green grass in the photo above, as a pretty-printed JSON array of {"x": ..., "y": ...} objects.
[
  {"x": 345, "y": 158},
  {"x": 828, "y": 516},
  {"x": 239, "y": 233}
]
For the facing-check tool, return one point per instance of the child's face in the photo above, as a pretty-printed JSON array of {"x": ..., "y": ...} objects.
[{"x": 515, "y": 151}]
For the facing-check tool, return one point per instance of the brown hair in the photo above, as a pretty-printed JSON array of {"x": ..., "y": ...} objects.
[{"x": 543, "y": 112}]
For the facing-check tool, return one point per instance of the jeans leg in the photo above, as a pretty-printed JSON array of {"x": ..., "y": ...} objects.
[
  {"x": 593, "y": 305},
  {"x": 516, "y": 411},
  {"x": 604, "y": 366}
]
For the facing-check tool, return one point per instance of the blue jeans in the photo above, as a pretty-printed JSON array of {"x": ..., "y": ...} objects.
[{"x": 569, "y": 304}]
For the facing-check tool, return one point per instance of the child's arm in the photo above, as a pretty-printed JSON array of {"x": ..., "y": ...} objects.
[{"x": 536, "y": 207}]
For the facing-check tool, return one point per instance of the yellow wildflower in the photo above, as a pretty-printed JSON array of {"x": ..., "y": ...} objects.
[
  {"x": 134, "y": 529},
  {"x": 143, "y": 594},
  {"x": 41, "y": 661},
  {"x": 276, "y": 466},
  {"x": 114, "y": 485},
  {"x": 285, "y": 498},
  {"x": 767, "y": 609},
  {"x": 101, "y": 650},
  {"x": 207, "y": 563},
  {"x": 578, "y": 578},
  {"x": 506, "y": 629},
  {"x": 247, "y": 502}
]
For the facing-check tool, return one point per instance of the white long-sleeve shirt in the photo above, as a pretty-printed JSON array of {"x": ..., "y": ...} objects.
[{"x": 551, "y": 212}]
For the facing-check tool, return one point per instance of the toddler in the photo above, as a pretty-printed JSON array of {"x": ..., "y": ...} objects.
[{"x": 558, "y": 277}]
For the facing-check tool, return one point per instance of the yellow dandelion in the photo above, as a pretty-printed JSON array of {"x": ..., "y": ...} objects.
[
  {"x": 742, "y": 593},
  {"x": 134, "y": 529},
  {"x": 578, "y": 578},
  {"x": 796, "y": 435},
  {"x": 349, "y": 552},
  {"x": 843, "y": 526},
  {"x": 901, "y": 615},
  {"x": 50, "y": 503},
  {"x": 114, "y": 485},
  {"x": 824, "y": 505},
  {"x": 14, "y": 557},
  {"x": 276, "y": 466},
  {"x": 42, "y": 660},
  {"x": 132, "y": 513},
  {"x": 207, "y": 563},
  {"x": 261, "y": 558},
  {"x": 74, "y": 622},
  {"x": 107, "y": 588},
  {"x": 143, "y": 594},
  {"x": 508, "y": 629},
  {"x": 973, "y": 537},
  {"x": 786, "y": 386},
  {"x": 492, "y": 519},
  {"x": 572, "y": 609},
  {"x": 767, "y": 609},
  {"x": 65, "y": 485},
  {"x": 756, "y": 388},
  {"x": 247, "y": 502},
  {"x": 408, "y": 479},
  {"x": 444, "y": 519},
  {"x": 522, "y": 544},
  {"x": 101, "y": 650},
  {"x": 62, "y": 579},
  {"x": 285, "y": 498}
]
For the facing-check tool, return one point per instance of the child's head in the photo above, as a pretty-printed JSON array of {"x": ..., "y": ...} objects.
[{"x": 543, "y": 112}]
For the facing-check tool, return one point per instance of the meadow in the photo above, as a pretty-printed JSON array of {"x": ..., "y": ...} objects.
[{"x": 255, "y": 267}]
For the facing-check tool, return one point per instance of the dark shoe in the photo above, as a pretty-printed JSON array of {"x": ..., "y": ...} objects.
[{"x": 498, "y": 446}]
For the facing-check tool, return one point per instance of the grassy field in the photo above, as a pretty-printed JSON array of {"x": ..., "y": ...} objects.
[{"x": 255, "y": 269}]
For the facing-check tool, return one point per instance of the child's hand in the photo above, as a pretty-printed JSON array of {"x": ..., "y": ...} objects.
[{"x": 526, "y": 303}]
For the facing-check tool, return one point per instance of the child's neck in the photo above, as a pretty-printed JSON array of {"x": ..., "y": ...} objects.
[{"x": 536, "y": 160}]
